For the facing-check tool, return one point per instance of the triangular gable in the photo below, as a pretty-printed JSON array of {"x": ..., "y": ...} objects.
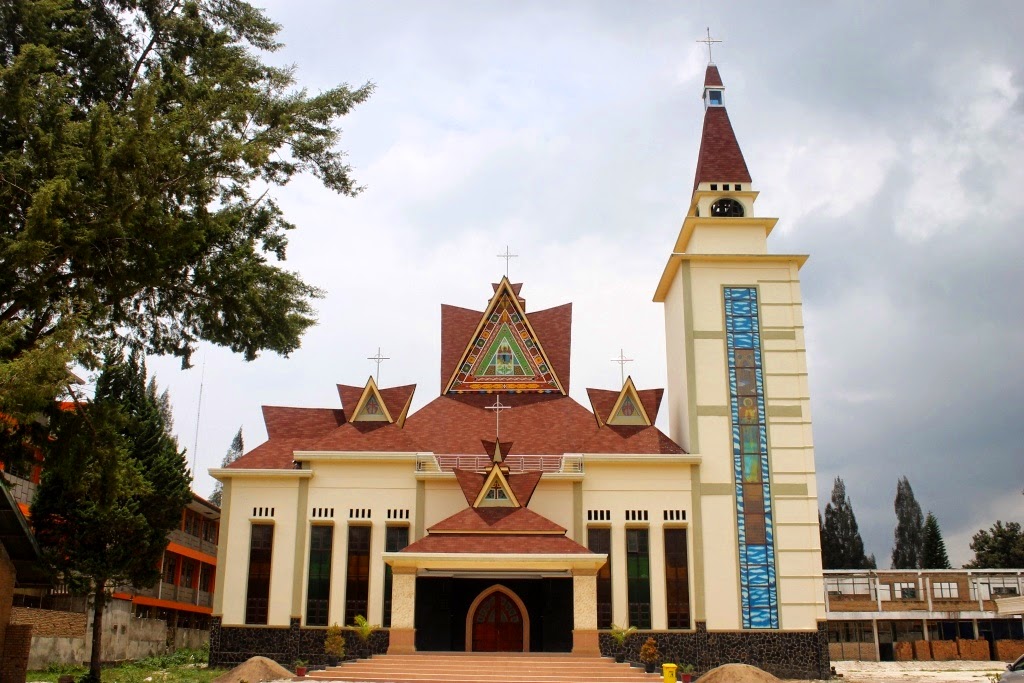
[
  {"x": 371, "y": 406},
  {"x": 628, "y": 409},
  {"x": 496, "y": 491},
  {"x": 504, "y": 354},
  {"x": 398, "y": 400}
]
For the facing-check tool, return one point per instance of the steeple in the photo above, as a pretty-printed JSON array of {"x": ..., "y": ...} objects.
[{"x": 720, "y": 164}]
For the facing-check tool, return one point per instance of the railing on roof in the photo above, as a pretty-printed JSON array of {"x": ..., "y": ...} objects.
[{"x": 570, "y": 464}]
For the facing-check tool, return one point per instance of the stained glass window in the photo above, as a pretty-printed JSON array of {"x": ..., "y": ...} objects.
[
  {"x": 318, "y": 588},
  {"x": 357, "y": 584},
  {"x": 638, "y": 577},
  {"x": 599, "y": 540},
  {"x": 257, "y": 590}
]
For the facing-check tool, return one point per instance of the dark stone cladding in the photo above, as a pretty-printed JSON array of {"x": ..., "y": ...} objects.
[
  {"x": 232, "y": 645},
  {"x": 786, "y": 654}
]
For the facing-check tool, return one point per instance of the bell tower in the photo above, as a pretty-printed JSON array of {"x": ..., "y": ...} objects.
[{"x": 739, "y": 398}]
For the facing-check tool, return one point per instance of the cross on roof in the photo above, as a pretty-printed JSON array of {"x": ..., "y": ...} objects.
[
  {"x": 378, "y": 359},
  {"x": 508, "y": 256},
  {"x": 497, "y": 408},
  {"x": 622, "y": 360},
  {"x": 708, "y": 41}
]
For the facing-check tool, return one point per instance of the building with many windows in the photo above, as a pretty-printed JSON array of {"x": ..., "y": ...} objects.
[{"x": 505, "y": 515}]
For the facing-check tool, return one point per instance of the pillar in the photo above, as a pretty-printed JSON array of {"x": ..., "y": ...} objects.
[
  {"x": 402, "y": 639},
  {"x": 584, "y": 613}
]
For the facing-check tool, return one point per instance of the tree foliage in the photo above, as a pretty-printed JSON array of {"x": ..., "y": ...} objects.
[
  {"x": 235, "y": 451},
  {"x": 114, "y": 485},
  {"x": 140, "y": 141},
  {"x": 1001, "y": 547},
  {"x": 907, "y": 547},
  {"x": 841, "y": 544},
  {"x": 933, "y": 547}
]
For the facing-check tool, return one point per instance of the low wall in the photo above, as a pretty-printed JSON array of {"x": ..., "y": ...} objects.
[
  {"x": 945, "y": 650},
  {"x": 191, "y": 638},
  {"x": 862, "y": 652},
  {"x": 922, "y": 651},
  {"x": 974, "y": 650},
  {"x": 903, "y": 651},
  {"x": 50, "y": 623},
  {"x": 232, "y": 645},
  {"x": 1009, "y": 650}
]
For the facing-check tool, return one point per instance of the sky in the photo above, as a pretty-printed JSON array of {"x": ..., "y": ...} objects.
[{"x": 886, "y": 137}]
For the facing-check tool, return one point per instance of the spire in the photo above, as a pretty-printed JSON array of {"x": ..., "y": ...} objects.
[{"x": 720, "y": 160}]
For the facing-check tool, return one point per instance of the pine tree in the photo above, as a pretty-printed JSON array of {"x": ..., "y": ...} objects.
[
  {"x": 933, "y": 548},
  {"x": 1001, "y": 547},
  {"x": 906, "y": 551},
  {"x": 235, "y": 451},
  {"x": 114, "y": 486},
  {"x": 841, "y": 544}
]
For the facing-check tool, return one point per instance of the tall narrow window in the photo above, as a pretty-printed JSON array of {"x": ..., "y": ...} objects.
[
  {"x": 638, "y": 577},
  {"x": 677, "y": 586},
  {"x": 599, "y": 540},
  {"x": 257, "y": 591},
  {"x": 318, "y": 590},
  {"x": 396, "y": 538},
  {"x": 357, "y": 584}
]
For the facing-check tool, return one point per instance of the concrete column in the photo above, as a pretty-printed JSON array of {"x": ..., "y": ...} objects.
[
  {"x": 403, "y": 611},
  {"x": 584, "y": 613}
]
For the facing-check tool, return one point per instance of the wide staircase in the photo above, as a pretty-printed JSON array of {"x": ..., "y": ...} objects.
[{"x": 484, "y": 668}]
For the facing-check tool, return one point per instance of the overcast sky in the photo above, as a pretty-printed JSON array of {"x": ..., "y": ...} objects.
[{"x": 887, "y": 137}]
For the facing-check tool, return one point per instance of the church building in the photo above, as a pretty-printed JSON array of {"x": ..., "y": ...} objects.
[{"x": 506, "y": 516}]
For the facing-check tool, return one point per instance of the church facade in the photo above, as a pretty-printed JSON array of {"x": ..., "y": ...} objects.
[{"x": 506, "y": 516}]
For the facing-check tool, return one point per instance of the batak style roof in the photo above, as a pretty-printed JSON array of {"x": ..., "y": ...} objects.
[
  {"x": 720, "y": 158},
  {"x": 545, "y": 421}
]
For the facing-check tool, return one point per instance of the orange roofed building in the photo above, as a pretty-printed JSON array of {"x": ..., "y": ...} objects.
[{"x": 505, "y": 516}]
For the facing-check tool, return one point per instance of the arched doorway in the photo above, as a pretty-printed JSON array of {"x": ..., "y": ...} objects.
[{"x": 497, "y": 621}]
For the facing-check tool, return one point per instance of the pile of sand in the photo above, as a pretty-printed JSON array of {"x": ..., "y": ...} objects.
[
  {"x": 253, "y": 671},
  {"x": 737, "y": 673}
]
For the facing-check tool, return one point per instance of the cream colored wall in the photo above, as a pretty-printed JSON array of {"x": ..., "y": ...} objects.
[
  {"x": 675, "y": 335},
  {"x": 736, "y": 239},
  {"x": 553, "y": 499},
  {"x": 631, "y": 485}
]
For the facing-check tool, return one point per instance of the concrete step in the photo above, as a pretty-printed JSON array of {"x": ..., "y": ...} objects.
[{"x": 484, "y": 668}]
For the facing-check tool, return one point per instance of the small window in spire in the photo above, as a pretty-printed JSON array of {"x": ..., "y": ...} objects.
[
  {"x": 738, "y": 188},
  {"x": 715, "y": 98},
  {"x": 714, "y": 186}
]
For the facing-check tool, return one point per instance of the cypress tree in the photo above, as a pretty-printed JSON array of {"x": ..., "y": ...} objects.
[
  {"x": 235, "y": 451},
  {"x": 841, "y": 544},
  {"x": 933, "y": 548},
  {"x": 906, "y": 551}
]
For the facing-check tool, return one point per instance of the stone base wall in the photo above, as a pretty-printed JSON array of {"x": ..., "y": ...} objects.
[
  {"x": 232, "y": 645},
  {"x": 1009, "y": 650},
  {"x": 786, "y": 654}
]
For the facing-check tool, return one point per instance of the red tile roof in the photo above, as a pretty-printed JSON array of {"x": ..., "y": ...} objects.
[
  {"x": 457, "y": 328},
  {"x": 712, "y": 78},
  {"x": 367, "y": 437},
  {"x": 470, "y": 483},
  {"x": 300, "y": 422},
  {"x": 523, "y": 485},
  {"x": 554, "y": 333},
  {"x": 508, "y": 544},
  {"x": 720, "y": 158},
  {"x": 396, "y": 398},
  {"x": 603, "y": 400},
  {"x": 651, "y": 398},
  {"x": 496, "y": 520}
]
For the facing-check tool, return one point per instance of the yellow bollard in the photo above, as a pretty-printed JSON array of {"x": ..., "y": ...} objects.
[{"x": 668, "y": 672}]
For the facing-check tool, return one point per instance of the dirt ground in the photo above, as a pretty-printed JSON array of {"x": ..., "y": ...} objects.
[{"x": 917, "y": 672}]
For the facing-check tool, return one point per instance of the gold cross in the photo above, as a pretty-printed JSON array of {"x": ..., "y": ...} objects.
[
  {"x": 622, "y": 360},
  {"x": 378, "y": 359},
  {"x": 508, "y": 256},
  {"x": 708, "y": 41}
]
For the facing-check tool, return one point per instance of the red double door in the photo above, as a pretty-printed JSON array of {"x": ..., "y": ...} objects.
[{"x": 497, "y": 625}]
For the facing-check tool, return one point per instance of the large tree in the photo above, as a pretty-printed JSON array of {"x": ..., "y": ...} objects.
[
  {"x": 114, "y": 486},
  {"x": 1001, "y": 547},
  {"x": 906, "y": 550},
  {"x": 140, "y": 143},
  {"x": 841, "y": 544},
  {"x": 933, "y": 547},
  {"x": 235, "y": 451}
]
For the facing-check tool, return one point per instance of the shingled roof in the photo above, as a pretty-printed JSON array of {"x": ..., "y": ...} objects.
[{"x": 720, "y": 158}]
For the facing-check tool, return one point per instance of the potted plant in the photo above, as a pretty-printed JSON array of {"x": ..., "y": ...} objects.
[
  {"x": 300, "y": 668},
  {"x": 685, "y": 673},
  {"x": 620, "y": 635},
  {"x": 364, "y": 630},
  {"x": 334, "y": 644},
  {"x": 649, "y": 654}
]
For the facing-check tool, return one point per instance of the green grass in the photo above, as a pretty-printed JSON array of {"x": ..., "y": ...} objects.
[{"x": 183, "y": 666}]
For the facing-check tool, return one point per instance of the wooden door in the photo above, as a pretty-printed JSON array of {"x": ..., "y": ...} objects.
[{"x": 497, "y": 625}]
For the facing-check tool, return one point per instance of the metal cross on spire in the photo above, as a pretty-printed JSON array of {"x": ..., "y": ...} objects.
[
  {"x": 622, "y": 360},
  {"x": 708, "y": 41},
  {"x": 508, "y": 256},
  {"x": 497, "y": 408},
  {"x": 378, "y": 359}
]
